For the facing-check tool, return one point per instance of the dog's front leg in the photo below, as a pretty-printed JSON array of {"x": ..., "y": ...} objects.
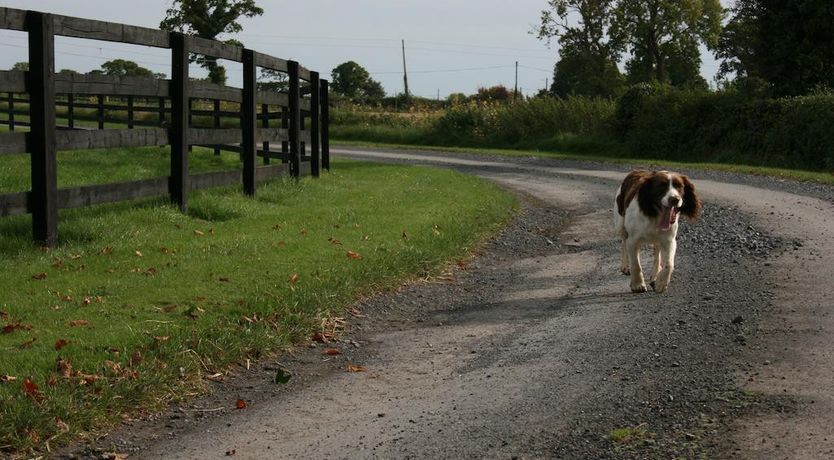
[
  {"x": 656, "y": 263},
  {"x": 638, "y": 284},
  {"x": 665, "y": 275}
]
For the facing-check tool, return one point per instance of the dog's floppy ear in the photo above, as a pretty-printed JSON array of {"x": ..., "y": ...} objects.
[{"x": 691, "y": 207}]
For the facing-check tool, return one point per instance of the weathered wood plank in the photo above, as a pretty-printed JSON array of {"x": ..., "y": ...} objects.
[
  {"x": 215, "y": 179},
  {"x": 216, "y": 49},
  {"x": 89, "y": 195},
  {"x": 273, "y": 135},
  {"x": 12, "y": 81},
  {"x": 12, "y": 19},
  {"x": 199, "y": 136},
  {"x": 12, "y": 204},
  {"x": 267, "y": 172},
  {"x": 111, "y": 86},
  {"x": 274, "y": 63},
  {"x": 273, "y": 98},
  {"x": 206, "y": 90},
  {"x": 303, "y": 73},
  {"x": 42, "y": 143},
  {"x": 108, "y": 31},
  {"x": 111, "y": 138}
]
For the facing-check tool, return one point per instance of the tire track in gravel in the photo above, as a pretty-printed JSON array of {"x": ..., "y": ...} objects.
[{"x": 539, "y": 350}]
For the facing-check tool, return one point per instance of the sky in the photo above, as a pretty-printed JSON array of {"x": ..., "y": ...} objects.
[{"x": 450, "y": 46}]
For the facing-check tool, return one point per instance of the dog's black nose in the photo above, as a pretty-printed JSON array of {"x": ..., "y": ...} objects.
[{"x": 674, "y": 201}]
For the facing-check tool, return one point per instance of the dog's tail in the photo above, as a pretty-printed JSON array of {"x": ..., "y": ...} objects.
[{"x": 619, "y": 221}]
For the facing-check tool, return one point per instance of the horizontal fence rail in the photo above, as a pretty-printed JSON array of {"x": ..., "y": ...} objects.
[{"x": 47, "y": 112}]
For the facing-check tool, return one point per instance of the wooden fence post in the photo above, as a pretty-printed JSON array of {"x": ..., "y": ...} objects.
[
  {"x": 161, "y": 111},
  {"x": 325, "y": 125},
  {"x": 295, "y": 119},
  {"x": 11, "y": 111},
  {"x": 265, "y": 124},
  {"x": 100, "y": 112},
  {"x": 249, "y": 121},
  {"x": 130, "y": 112},
  {"x": 315, "y": 100},
  {"x": 216, "y": 121},
  {"x": 178, "y": 133},
  {"x": 71, "y": 111},
  {"x": 285, "y": 124},
  {"x": 43, "y": 200}
]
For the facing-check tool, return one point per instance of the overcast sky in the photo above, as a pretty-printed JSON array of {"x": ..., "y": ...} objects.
[{"x": 451, "y": 46}]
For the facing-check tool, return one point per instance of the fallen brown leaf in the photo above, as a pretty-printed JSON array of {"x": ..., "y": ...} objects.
[
  {"x": 39, "y": 276},
  {"x": 229, "y": 453},
  {"x": 240, "y": 404},
  {"x": 293, "y": 278},
  {"x": 61, "y": 426},
  {"x": 405, "y": 236},
  {"x": 78, "y": 322},
  {"x": 11, "y": 327},
  {"x": 151, "y": 271},
  {"x": 334, "y": 241},
  {"x": 32, "y": 389},
  {"x": 7, "y": 378},
  {"x": 28, "y": 343},
  {"x": 356, "y": 368},
  {"x": 61, "y": 343},
  {"x": 332, "y": 351},
  {"x": 138, "y": 253},
  {"x": 322, "y": 337},
  {"x": 64, "y": 368},
  {"x": 354, "y": 255},
  {"x": 105, "y": 251},
  {"x": 198, "y": 233}
]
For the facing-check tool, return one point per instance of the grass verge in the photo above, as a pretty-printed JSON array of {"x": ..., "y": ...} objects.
[
  {"x": 140, "y": 301},
  {"x": 612, "y": 157}
]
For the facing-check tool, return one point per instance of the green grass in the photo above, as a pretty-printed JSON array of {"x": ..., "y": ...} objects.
[
  {"x": 611, "y": 156},
  {"x": 170, "y": 297}
]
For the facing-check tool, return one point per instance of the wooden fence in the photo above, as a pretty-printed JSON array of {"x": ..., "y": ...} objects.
[{"x": 302, "y": 112}]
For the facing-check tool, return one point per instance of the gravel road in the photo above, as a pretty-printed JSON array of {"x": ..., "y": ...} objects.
[{"x": 537, "y": 348}]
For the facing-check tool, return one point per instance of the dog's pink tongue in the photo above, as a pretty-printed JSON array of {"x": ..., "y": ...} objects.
[{"x": 667, "y": 218}]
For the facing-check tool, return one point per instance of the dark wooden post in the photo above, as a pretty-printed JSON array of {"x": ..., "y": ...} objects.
[
  {"x": 71, "y": 111},
  {"x": 249, "y": 121},
  {"x": 315, "y": 99},
  {"x": 216, "y": 123},
  {"x": 295, "y": 119},
  {"x": 285, "y": 124},
  {"x": 42, "y": 146},
  {"x": 130, "y": 112},
  {"x": 100, "y": 112},
  {"x": 178, "y": 133},
  {"x": 190, "y": 119},
  {"x": 325, "y": 125},
  {"x": 161, "y": 111},
  {"x": 11, "y": 111},
  {"x": 265, "y": 124}
]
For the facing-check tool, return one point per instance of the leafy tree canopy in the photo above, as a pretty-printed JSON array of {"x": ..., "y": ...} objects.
[
  {"x": 354, "y": 82},
  {"x": 125, "y": 68},
  {"x": 23, "y": 66},
  {"x": 209, "y": 19}
]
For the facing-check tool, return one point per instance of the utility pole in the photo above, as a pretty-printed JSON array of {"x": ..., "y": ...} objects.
[
  {"x": 546, "y": 88},
  {"x": 515, "y": 91},
  {"x": 405, "y": 73}
]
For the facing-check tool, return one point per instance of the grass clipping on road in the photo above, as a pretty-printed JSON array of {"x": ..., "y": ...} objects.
[{"x": 140, "y": 301}]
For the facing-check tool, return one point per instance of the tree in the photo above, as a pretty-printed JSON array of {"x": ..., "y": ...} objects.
[
  {"x": 588, "y": 59},
  {"x": 787, "y": 45},
  {"x": 209, "y": 19},
  {"x": 22, "y": 66},
  {"x": 662, "y": 34},
  {"x": 354, "y": 82},
  {"x": 273, "y": 80},
  {"x": 497, "y": 93},
  {"x": 125, "y": 68}
]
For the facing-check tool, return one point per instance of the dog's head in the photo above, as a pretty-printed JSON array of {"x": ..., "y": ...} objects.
[{"x": 664, "y": 194}]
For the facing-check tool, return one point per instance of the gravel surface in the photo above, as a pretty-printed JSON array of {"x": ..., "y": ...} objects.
[{"x": 537, "y": 349}]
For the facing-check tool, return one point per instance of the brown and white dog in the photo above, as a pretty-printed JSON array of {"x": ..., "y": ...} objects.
[{"x": 648, "y": 204}]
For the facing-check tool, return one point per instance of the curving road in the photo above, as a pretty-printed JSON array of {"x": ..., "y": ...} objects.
[{"x": 537, "y": 349}]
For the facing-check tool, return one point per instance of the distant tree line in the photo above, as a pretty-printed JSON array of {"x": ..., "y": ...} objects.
[{"x": 778, "y": 47}]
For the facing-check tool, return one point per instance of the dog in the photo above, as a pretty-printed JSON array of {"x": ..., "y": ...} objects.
[{"x": 648, "y": 204}]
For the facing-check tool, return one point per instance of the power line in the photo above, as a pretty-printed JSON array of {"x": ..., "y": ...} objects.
[{"x": 444, "y": 70}]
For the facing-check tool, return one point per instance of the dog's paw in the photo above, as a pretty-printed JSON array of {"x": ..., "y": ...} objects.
[
  {"x": 625, "y": 271},
  {"x": 659, "y": 287},
  {"x": 638, "y": 288}
]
